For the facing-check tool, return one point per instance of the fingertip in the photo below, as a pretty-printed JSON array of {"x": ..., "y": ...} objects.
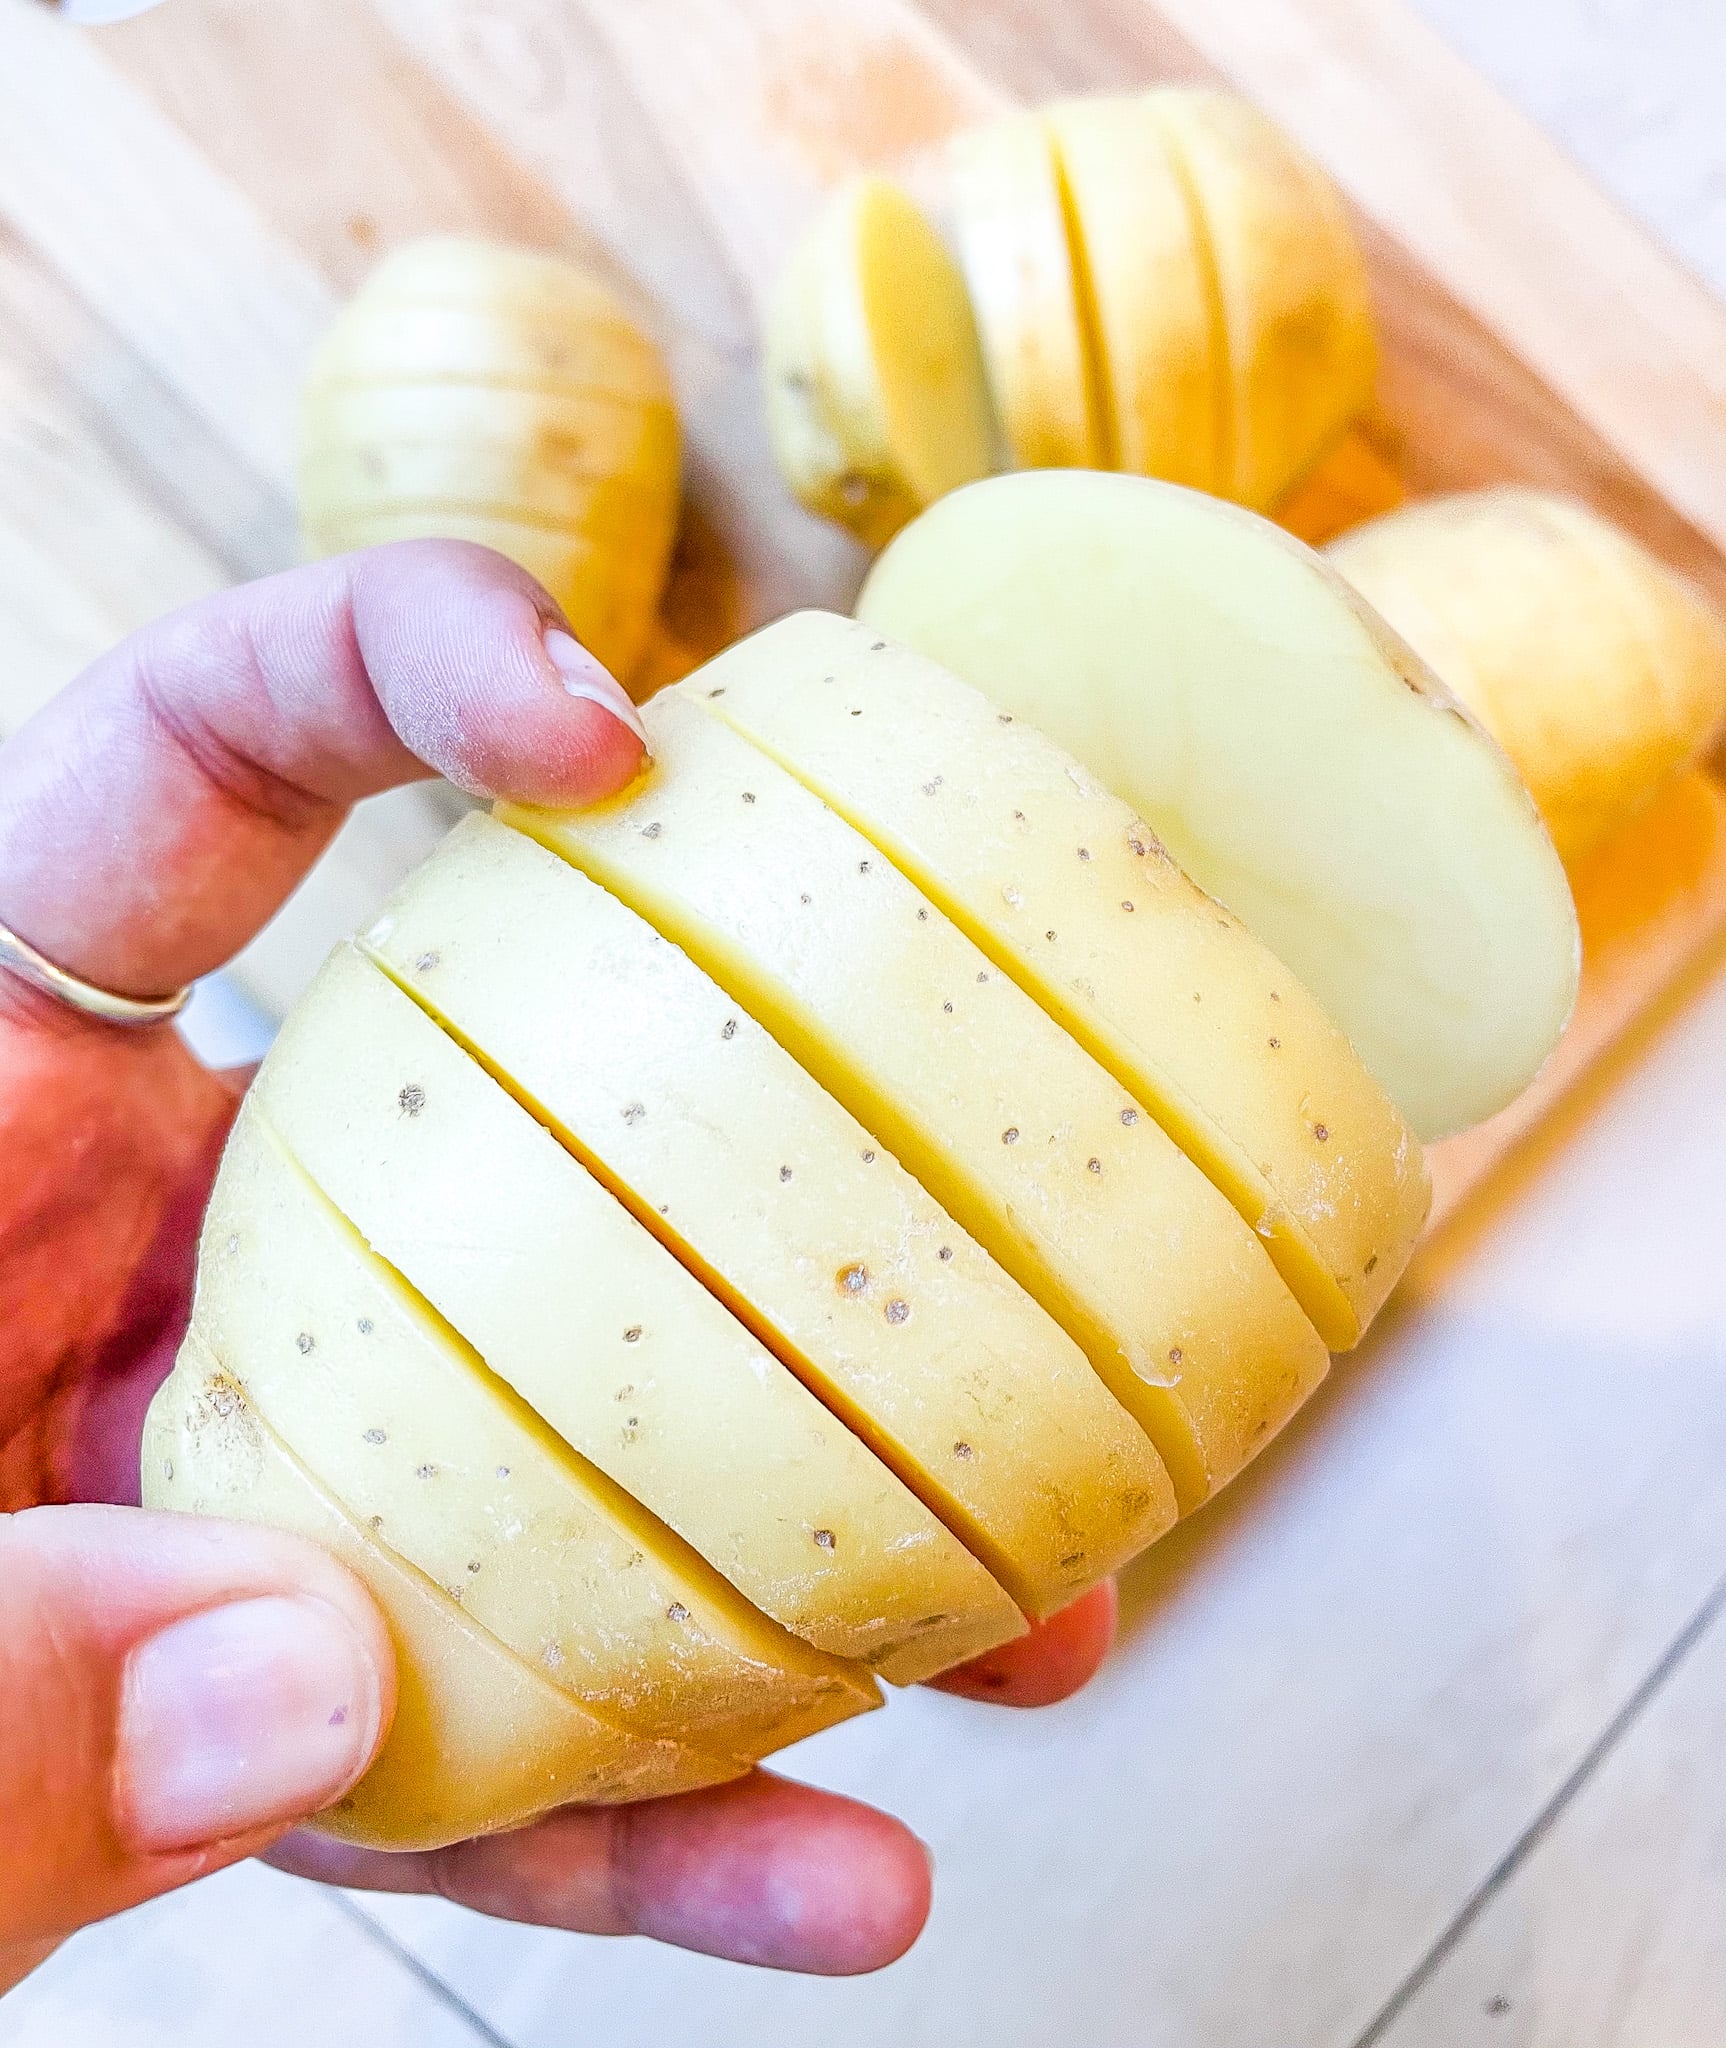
[
  {"x": 770, "y": 1872},
  {"x": 482, "y": 679},
  {"x": 1050, "y": 1663}
]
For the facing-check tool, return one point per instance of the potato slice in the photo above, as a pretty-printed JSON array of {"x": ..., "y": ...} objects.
[
  {"x": 448, "y": 1467},
  {"x": 1011, "y": 224},
  {"x": 526, "y": 454},
  {"x": 481, "y": 1741},
  {"x": 1069, "y": 893},
  {"x": 1299, "y": 761},
  {"x": 1600, "y": 671},
  {"x": 1163, "y": 379},
  {"x": 797, "y": 1219},
  {"x": 1292, "y": 298},
  {"x": 875, "y": 393},
  {"x": 591, "y": 1321},
  {"x": 1019, "y": 1135}
]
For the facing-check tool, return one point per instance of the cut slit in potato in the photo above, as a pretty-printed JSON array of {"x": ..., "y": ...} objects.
[
  {"x": 454, "y": 1473},
  {"x": 1146, "y": 296},
  {"x": 1015, "y": 246},
  {"x": 1063, "y": 886},
  {"x": 780, "y": 1201},
  {"x": 481, "y": 1741},
  {"x": 1298, "y": 760},
  {"x": 1021, "y": 1137},
  {"x": 875, "y": 394},
  {"x": 592, "y": 1321}
]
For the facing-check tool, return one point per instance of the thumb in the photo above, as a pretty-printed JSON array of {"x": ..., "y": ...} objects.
[{"x": 175, "y": 1693}]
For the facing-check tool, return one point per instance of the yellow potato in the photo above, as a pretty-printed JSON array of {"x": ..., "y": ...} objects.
[
  {"x": 1067, "y": 891},
  {"x": 875, "y": 394},
  {"x": 777, "y": 1198},
  {"x": 1292, "y": 299},
  {"x": 481, "y": 1741},
  {"x": 1600, "y": 671},
  {"x": 1052, "y": 1166},
  {"x": 1300, "y": 763},
  {"x": 477, "y": 392},
  {"x": 1161, "y": 369},
  {"x": 456, "y": 1474},
  {"x": 1015, "y": 245}
]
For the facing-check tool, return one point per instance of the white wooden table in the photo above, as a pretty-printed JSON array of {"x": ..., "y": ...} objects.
[{"x": 1418, "y": 1738}]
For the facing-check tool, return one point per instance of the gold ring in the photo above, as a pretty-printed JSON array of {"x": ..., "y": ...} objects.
[{"x": 19, "y": 957}]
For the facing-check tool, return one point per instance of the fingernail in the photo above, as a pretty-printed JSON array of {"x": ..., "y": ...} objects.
[
  {"x": 261, "y": 1711},
  {"x": 583, "y": 677}
]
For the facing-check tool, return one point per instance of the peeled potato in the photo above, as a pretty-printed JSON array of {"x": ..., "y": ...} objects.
[
  {"x": 1600, "y": 671},
  {"x": 476, "y": 392},
  {"x": 875, "y": 396},
  {"x": 1300, "y": 762}
]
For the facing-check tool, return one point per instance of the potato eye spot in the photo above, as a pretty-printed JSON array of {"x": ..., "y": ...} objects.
[
  {"x": 853, "y": 1279},
  {"x": 411, "y": 1099},
  {"x": 898, "y": 1312},
  {"x": 825, "y": 1539}
]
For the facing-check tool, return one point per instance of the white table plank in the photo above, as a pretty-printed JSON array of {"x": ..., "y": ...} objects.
[
  {"x": 1609, "y": 1932},
  {"x": 249, "y": 1957}
]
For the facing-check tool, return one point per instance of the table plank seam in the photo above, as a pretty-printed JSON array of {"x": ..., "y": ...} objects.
[{"x": 1665, "y": 1666}]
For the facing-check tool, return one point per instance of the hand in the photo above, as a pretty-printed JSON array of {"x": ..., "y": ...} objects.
[{"x": 177, "y": 1694}]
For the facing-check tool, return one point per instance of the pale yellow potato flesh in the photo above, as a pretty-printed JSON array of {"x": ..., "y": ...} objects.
[
  {"x": 446, "y": 1466},
  {"x": 481, "y": 1741},
  {"x": 1015, "y": 247},
  {"x": 876, "y": 399},
  {"x": 1599, "y": 670},
  {"x": 1162, "y": 375},
  {"x": 1292, "y": 300},
  {"x": 1299, "y": 760},
  {"x": 1020, "y": 1136},
  {"x": 1069, "y": 892},
  {"x": 579, "y": 1309},
  {"x": 796, "y": 1218}
]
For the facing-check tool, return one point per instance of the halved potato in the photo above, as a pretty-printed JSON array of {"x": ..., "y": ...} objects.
[
  {"x": 1599, "y": 670},
  {"x": 875, "y": 394},
  {"x": 1297, "y": 758}
]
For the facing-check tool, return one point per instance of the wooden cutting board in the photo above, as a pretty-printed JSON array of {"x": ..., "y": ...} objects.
[{"x": 185, "y": 199}]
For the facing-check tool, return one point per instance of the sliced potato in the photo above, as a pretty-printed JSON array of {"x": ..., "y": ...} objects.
[
  {"x": 1600, "y": 671},
  {"x": 587, "y": 464},
  {"x": 875, "y": 393},
  {"x": 773, "y": 1194},
  {"x": 1292, "y": 296},
  {"x": 1163, "y": 378},
  {"x": 1069, "y": 892},
  {"x": 577, "y": 1307},
  {"x": 449, "y": 1467},
  {"x": 481, "y": 1741},
  {"x": 1011, "y": 225},
  {"x": 1299, "y": 761},
  {"x": 456, "y": 341},
  {"x": 1019, "y": 1135}
]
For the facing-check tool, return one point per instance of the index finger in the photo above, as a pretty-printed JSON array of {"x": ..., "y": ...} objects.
[{"x": 156, "y": 813}]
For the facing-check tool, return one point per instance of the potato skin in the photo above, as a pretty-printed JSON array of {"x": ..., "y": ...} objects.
[
  {"x": 1599, "y": 670},
  {"x": 472, "y": 391}
]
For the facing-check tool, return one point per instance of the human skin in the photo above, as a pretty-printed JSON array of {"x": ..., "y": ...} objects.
[{"x": 152, "y": 817}]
